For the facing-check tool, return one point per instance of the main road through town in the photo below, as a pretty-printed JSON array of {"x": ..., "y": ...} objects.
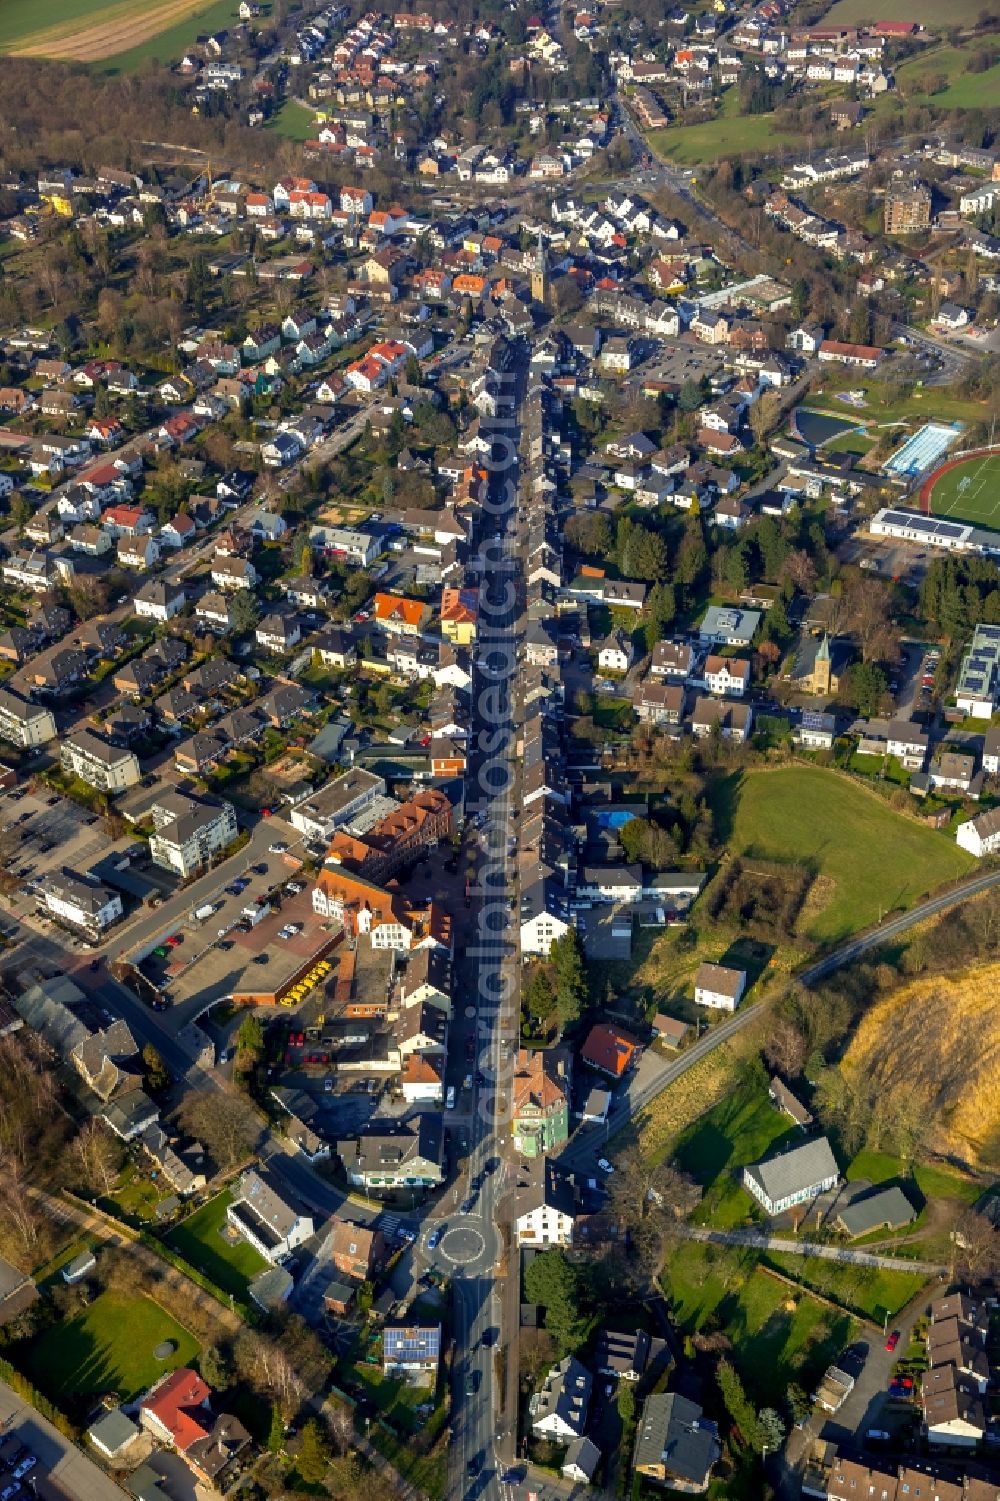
[{"x": 472, "y": 1243}]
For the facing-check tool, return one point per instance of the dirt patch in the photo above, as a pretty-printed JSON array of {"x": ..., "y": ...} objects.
[
  {"x": 819, "y": 895},
  {"x": 115, "y": 29}
]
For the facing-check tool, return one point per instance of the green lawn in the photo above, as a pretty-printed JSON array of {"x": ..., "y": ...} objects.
[
  {"x": 934, "y": 1180},
  {"x": 854, "y": 442},
  {"x": 295, "y": 121},
  {"x": 965, "y": 89},
  {"x": 729, "y": 134},
  {"x": 970, "y": 491},
  {"x": 108, "y": 1347},
  {"x": 742, "y": 1128},
  {"x": 868, "y": 858},
  {"x": 200, "y": 1241},
  {"x": 396, "y": 1401},
  {"x": 868, "y": 1290},
  {"x": 779, "y": 1335}
]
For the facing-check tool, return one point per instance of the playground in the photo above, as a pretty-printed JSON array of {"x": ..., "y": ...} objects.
[{"x": 968, "y": 489}]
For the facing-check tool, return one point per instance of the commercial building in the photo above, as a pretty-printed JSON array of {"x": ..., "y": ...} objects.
[{"x": 337, "y": 803}]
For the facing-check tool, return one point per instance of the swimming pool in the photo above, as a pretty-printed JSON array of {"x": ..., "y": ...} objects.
[
  {"x": 923, "y": 449},
  {"x": 817, "y": 428}
]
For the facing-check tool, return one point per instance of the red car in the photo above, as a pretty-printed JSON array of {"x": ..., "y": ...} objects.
[
  {"x": 174, "y": 940},
  {"x": 892, "y": 1341}
]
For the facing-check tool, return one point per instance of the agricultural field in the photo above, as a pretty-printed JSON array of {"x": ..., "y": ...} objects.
[
  {"x": 964, "y": 89},
  {"x": 99, "y": 31},
  {"x": 108, "y": 1347},
  {"x": 969, "y": 492},
  {"x": 924, "y": 12},
  {"x": 867, "y": 859}
]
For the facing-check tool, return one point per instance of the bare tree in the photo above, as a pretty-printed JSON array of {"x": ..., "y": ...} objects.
[
  {"x": 785, "y": 1049},
  {"x": 99, "y": 1155},
  {"x": 977, "y": 1248},
  {"x": 226, "y": 1123}
]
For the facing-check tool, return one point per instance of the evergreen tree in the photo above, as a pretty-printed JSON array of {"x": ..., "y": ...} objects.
[{"x": 313, "y": 1458}]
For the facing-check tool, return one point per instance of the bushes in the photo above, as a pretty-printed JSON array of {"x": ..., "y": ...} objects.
[{"x": 30, "y": 1394}]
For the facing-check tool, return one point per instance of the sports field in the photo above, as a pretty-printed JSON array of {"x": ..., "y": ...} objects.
[
  {"x": 93, "y": 31},
  {"x": 969, "y": 491}
]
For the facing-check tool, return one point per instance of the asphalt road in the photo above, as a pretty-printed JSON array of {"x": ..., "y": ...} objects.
[{"x": 472, "y": 1243}]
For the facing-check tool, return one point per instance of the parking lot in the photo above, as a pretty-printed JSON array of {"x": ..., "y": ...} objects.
[
  {"x": 48, "y": 831},
  {"x": 58, "y": 1468}
]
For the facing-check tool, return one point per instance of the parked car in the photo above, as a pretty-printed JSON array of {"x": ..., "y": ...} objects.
[
  {"x": 607, "y": 1167},
  {"x": 892, "y": 1341}
]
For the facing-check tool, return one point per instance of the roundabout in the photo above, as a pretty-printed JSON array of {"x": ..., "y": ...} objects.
[{"x": 463, "y": 1246}]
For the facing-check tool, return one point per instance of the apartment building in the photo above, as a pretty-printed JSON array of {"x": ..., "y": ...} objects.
[
  {"x": 189, "y": 833},
  {"x": 98, "y": 763}
]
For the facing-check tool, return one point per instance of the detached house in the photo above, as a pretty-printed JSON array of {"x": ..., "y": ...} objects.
[
  {"x": 794, "y": 1177},
  {"x": 264, "y": 1216}
]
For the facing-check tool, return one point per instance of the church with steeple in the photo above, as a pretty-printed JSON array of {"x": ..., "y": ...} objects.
[
  {"x": 540, "y": 275},
  {"x": 820, "y": 664}
]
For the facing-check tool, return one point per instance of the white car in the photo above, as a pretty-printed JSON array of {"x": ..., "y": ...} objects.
[
  {"x": 604, "y": 1165},
  {"x": 277, "y": 848}
]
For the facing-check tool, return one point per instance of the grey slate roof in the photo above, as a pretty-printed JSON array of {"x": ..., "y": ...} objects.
[
  {"x": 791, "y": 1172},
  {"x": 888, "y": 1207},
  {"x": 670, "y": 1434}
]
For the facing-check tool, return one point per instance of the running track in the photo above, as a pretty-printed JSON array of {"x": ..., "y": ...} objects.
[{"x": 942, "y": 469}]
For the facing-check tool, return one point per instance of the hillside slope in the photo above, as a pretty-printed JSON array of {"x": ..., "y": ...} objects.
[{"x": 938, "y": 1040}]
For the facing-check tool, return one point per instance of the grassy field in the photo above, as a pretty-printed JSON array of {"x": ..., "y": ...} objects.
[
  {"x": 730, "y": 134},
  {"x": 201, "y": 1242},
  {"x": 294, "y": 121},
  {"x": 869, "y": 860},
  {"x": 742, "y": 1128},
  {"x": 779, "y": 1335},
  {"x": 970, "y": 492},
  {"x": 108, "y": 1347},
  {"x": 937, "y": 1040},
  {"x": 926, "y": 12},
  {"x": 965, "y": 90},
  {"x": 870, "y": 1291}
]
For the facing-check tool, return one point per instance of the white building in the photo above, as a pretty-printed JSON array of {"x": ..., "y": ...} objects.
[
  {"x": 795, "y": 1177},
  {"x": 559, "y": 1410},
  {"x": 980, "y": 836},
  {"x": 159, "y": 600},
  {"x": 266, "y": 1219},
  {"x": 718, "y": 986},
  {"x": 544, "y": 1204},
  {"x": 189, "y": 833},
  {"x": 338, "y": 803},
  {"x": 91, "y": 908},
  {"x": 727, "y": 676},
  {"x": 24, "y": 723},
  {"x": 99, "y": 763}
]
